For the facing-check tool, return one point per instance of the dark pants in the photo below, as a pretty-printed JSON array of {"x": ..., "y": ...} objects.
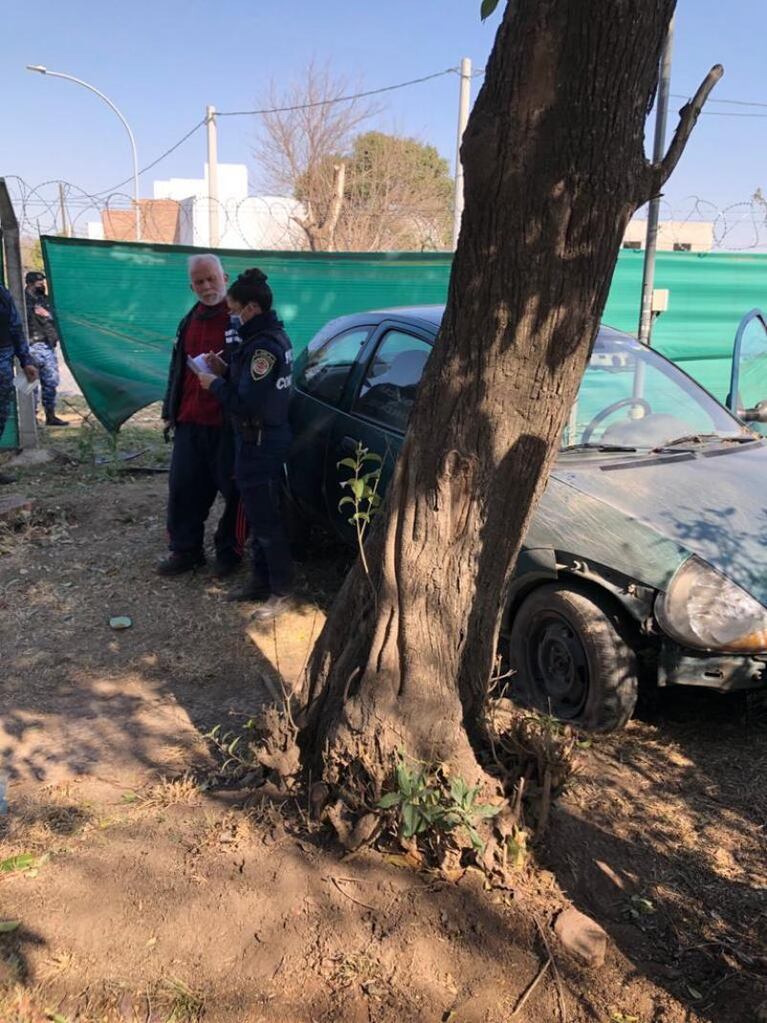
[
  {"x": 6, "y": 385},
  {"x": 202, "y": 466},
  {"x": 259, "y": 478}
]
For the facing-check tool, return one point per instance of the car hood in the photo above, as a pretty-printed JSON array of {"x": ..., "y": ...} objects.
[{"x": 712, "y": 503}]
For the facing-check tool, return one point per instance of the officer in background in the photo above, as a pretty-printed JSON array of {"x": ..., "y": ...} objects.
[
  {"x": 43, "y": 340},
  {"x": 12, "y": 342},
  {"x": 254, "y": 391}
]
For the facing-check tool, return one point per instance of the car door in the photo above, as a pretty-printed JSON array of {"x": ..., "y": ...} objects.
[
  {"x": 748, "y": 380},
  {"x": 322, "y": 375},
  {"x": 377, "y": 411}
]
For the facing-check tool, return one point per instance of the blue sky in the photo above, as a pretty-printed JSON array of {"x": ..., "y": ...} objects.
[{"x": 162, "y": 62}]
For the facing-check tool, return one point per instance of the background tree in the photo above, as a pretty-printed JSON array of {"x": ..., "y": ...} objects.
[
  {"x": 397, "y": 195},
  {"x": 299, "y": 143},
  {"x": 31, "y": 253},
  {"x": 554, "y": 168}
]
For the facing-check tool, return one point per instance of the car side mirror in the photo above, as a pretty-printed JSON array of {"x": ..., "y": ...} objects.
[{"x": 757, "y": 414}]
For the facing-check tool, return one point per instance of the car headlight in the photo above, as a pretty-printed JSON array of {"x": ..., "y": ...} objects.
[{"x": 704, "y": 609}]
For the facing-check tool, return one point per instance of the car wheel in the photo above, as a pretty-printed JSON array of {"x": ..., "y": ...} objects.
[{"x": 569, "y": 659}]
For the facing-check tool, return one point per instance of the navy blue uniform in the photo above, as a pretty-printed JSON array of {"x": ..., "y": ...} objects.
[
  {"x": 255, "y": 394},
  {"x": 43, "y": 339},
  {"x": 12, "y": 342}
]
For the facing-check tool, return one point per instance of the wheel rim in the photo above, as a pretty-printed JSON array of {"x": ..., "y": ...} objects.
[{"x": 558, "y": 664}]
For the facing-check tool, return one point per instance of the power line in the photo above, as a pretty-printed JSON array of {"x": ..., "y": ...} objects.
[
  {"x": 680, "y": 95},
  {"x": 338, "y": 99},
  {"x": 154, "y": 163},
  {"x": 730, "y": 102},
  {"x": 727, "y": 113},
  {"x": 274, "y": 110}
]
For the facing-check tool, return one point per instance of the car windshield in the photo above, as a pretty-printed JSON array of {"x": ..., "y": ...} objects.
[{"x": 631, "y": 398}]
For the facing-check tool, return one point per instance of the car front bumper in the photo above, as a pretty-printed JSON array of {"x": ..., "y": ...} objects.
[{"x": 725, "y": 672}]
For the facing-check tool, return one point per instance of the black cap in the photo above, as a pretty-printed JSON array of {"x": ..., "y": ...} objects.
[{"x": 33, "y": 276}]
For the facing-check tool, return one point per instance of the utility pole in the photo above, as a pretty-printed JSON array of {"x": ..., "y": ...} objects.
[
  {"x": 659, "y": 149},
  {"x": 64, "y": 223},
  {"x": 464, "y": 99},
  {"x": 214, "y": 237}
]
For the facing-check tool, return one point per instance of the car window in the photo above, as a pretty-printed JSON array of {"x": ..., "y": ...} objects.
[
  {"x": 329, "y": 362},
  {"x": 391, "y": 381},
  {"x": 630, "y": 395}
]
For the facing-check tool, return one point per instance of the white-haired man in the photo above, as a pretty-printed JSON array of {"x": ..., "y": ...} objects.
[{"x": 202, "y": 464}]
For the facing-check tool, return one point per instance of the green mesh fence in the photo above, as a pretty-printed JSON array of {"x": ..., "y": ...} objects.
[{"x": 118, "y": 305}]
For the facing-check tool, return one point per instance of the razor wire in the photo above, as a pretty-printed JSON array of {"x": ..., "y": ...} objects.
[{"x": 274, "y": 222}]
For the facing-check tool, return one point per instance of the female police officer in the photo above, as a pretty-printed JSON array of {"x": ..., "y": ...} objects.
[{"x": 254, "y": 390}]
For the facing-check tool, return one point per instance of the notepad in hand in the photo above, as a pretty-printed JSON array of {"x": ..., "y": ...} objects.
[{"x": 198, "y": 364}]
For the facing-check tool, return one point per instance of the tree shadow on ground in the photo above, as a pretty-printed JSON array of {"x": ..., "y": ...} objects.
[{"x": 83, "y": 702}]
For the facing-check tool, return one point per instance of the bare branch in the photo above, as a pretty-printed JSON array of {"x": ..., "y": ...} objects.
[{"x": 688, "y": 117}]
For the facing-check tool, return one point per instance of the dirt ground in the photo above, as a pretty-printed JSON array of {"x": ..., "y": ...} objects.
[{"x": 143, "y": 895}]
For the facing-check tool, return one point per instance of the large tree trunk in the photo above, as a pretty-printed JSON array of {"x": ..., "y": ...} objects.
[{"x": 554, "y": 167}]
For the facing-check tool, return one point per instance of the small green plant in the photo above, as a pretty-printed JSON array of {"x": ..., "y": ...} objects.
[
  {"x": 87, "y": 442},
  {"x": 238, "y": 758},
  {"x": 363, "y": 496},
  {"x": 430, "y": 803}
]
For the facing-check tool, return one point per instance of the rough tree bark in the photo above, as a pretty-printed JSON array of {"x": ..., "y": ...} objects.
[{"x": 554, "y": 168}]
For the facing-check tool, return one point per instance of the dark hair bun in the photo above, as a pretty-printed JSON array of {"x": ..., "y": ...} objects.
[{"x": 255, "y": 275}]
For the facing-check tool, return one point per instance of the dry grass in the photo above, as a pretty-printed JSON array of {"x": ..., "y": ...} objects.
[
  {"x": 181, "y": 791},
  {"x": 39, "y": 824},
  {"x": 168, "y": 1001}
]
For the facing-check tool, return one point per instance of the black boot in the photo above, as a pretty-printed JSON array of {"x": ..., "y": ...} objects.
[
  {"x": 5, "y": 479},
  {"x": 179, "y": 562},
  {"x": 51, "y": 419},
  {"x": 226, "y": 565}
]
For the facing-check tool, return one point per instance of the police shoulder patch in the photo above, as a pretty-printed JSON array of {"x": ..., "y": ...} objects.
[{"x": 261, "y": 363}]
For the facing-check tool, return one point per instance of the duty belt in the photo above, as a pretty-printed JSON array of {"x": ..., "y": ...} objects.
[{"x": 249, "y": 429}]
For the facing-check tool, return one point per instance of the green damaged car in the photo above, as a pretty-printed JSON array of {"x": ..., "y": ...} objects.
[{"x": 647, "y": 556}]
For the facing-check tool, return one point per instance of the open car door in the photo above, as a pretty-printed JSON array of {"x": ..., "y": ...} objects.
[{"x": 748, "y": 380}]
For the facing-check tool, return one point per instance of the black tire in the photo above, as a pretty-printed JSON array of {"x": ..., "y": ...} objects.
[{"x": 570, "y": 659}]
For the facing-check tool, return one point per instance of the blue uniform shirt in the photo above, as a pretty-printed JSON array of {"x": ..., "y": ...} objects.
[
  {"x": 255, "y": 394},
  {"x": 11, "y": 329},
  {"x": 256, "y": 390}
]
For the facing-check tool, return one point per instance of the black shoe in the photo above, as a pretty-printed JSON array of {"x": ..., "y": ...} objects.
[
  {"x": 271, "y": 608},
  {"x": 4, "y": 480},
  {"x": 225, "y": 566},
  {"x": 251, "y": 592},
  {"x": 51, "y": 419},
  {"x": 179, "y": 562}
]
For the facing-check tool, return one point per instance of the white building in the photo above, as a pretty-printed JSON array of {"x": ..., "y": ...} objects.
[
  {"x": 179, "y": 213},
  {"x": 673, "y": 235},
  {"x": 244, "y": 221}
]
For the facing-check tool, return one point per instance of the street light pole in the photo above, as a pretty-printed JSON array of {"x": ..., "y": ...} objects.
[{"x": 78, "y": 81}]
